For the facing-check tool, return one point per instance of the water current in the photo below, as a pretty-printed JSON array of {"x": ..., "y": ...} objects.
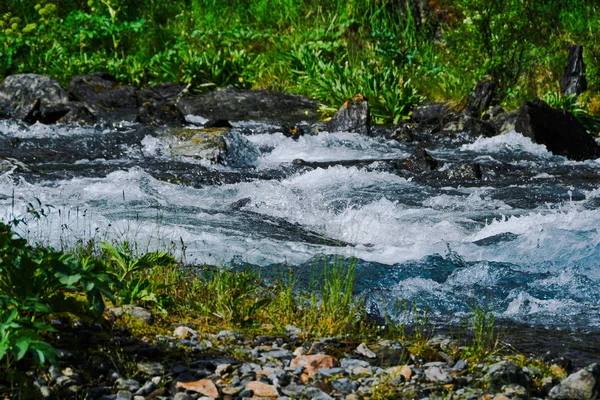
[{"x": 523, "y": 241}]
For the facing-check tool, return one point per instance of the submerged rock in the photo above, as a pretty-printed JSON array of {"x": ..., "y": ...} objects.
[
  {"x": 353, "y": 116},
  {"x": 216, "y": 145},
  {"x": 235, "y": 105},
  {"x": 558, "y": 130},
  {"x": 420, "y": 161},
  {"x": 31, "y": 98}
]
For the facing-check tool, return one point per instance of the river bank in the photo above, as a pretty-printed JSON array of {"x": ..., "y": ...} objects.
[{"x": 476, "y": 215}]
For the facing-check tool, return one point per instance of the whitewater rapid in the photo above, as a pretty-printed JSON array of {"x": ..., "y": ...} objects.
[{"x": 525, "y": 244}]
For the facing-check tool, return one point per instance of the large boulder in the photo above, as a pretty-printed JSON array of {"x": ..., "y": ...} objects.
[
  {"x": 31, "y": 98},
  {"x": 582, "y": 385},
  {"x": 215, "y": 145},
  {"x": 353, "y": 116},
  {"x": 573, "y": 81},
  {"x": 558, "y": 130},
  {"x": 101, "y": 89},
  {"x": 234, "y": 105}
]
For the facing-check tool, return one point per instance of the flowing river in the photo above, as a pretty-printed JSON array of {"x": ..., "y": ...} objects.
[{"x": 523, "y": 241}]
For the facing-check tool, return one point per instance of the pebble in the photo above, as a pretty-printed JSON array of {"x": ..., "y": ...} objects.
[{"x": 271, "y": 370}]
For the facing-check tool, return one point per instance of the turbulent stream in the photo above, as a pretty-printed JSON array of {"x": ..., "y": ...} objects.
[{"x": 523, "y": 241}]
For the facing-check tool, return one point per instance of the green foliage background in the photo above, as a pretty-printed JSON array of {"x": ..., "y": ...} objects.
[{"x": 396, "y": 52}]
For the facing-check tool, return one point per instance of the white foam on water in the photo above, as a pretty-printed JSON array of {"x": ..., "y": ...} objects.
[
  {"x": 508, "y": 143},
  {"x": 326, "y": 147}
]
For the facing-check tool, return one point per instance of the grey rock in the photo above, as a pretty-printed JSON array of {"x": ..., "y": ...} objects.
[
  {"x": 344, "y": 385},
  {"x": 151, "y": 368},
  {"x": 127, "y": 384},
  {"x": 182, "y": 396},
  {"x": 329, "y": 372},
  {"x": 460, "y": 365},
  {"x": 124, "y": 395},
  {"x": 305, "y": 393},
  {"x": 505, "y": 373},
  {"x": 227, "y": 335},
  {"x": 146, "y": 389},
  {"x": 135, "y": 311},
  {"x": 514, "y": 391},
  {"x": 364, "y": 351},
  {"x": 278, "y": 354},
  {"x": 354, "y": 116},
  {"x": 23, "y": 97},
  {"x": 437, "y": 375},
  {"x": 583, "y": 384},
  {"x": 353, "y": 363}
]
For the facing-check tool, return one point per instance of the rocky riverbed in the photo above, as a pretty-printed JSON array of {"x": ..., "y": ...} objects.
[{"x": 187, "y": 364}]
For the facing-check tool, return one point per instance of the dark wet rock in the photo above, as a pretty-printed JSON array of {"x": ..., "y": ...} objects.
[
  {"x": 218, "y": 123},
  {"x": 68, "y": 149},
  {"x": 505, "y": 373},
  {"x": 492, "y": 112},
  {"x": 101, "y": 89},
  {"x": 238, "y": 204},
  {"x": 573, "y": 80},
  {"x": 558, "y": 130},
  {"x": 483, "y": 97},
  {"x": 160, "y": 114},
  {"x": 10, "y": 164},
  {"x": 293, "y": 131},
  {"x": 353, "y": 116},
  {"x": 404, "y": 133},
  {"x": 163, "y": 92},
  {"x": 432, "y": 113},
  {"x": 495, "y": 239},
  {"x": 26, "y": 96},
  {"x": 582, "y": 385},
  {"x": 504, "y": 122},
  {"x": 420, "y": 161},
  {"x": 470, "y": 125},
  {"x": 77, "y": 113},
  {"x": 234, "y": 105},
  {"x": 465, "y": 171}
]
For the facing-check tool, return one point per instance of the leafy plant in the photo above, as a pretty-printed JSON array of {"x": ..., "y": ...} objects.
[{"x": 38, "y": 282}]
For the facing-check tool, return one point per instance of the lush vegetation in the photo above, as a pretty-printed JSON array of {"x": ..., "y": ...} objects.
[{"x": 396, "y": 52}]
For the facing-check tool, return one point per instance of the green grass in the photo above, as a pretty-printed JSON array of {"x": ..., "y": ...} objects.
[{"x": 330, "y": 50}]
